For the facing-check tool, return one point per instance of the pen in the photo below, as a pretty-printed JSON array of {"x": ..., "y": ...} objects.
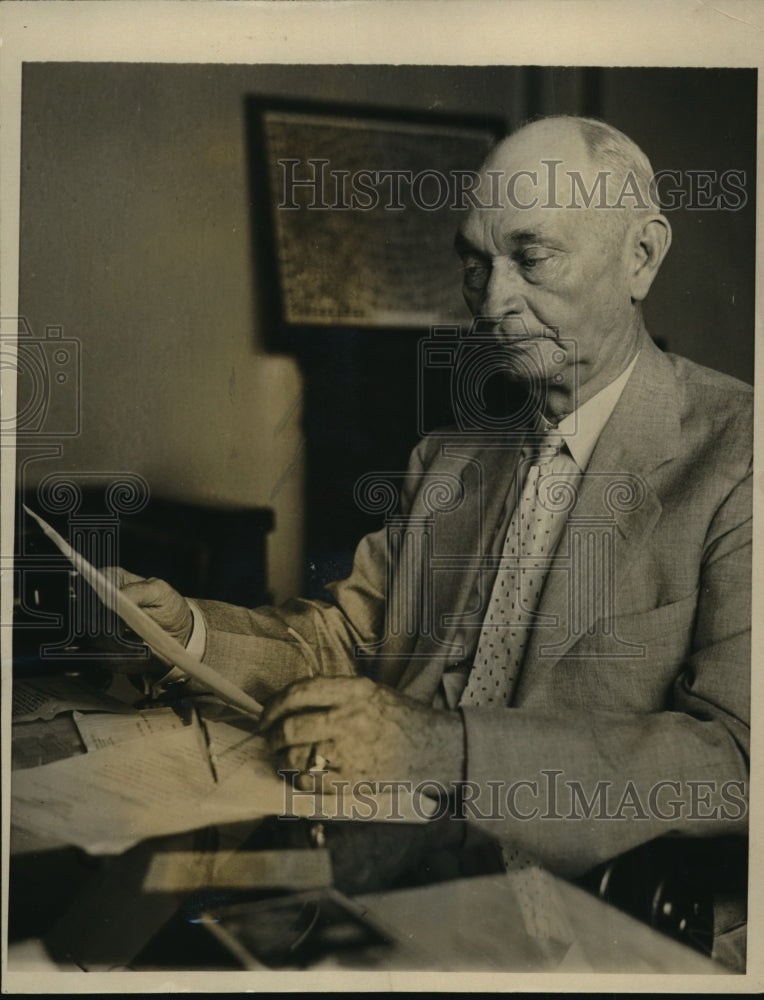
[
  {"x": 319, "y": 762},
  {"x": 205, "y": 742}
]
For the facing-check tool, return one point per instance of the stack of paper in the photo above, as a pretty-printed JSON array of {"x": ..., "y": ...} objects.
[
  {"x": 147, "y": 774},
  {"x": 47, "y": 697}
]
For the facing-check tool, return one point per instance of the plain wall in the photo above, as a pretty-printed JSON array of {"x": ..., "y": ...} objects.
[
  {"x": 135, "y": 239},
  {"x": 702, "y": 304}
]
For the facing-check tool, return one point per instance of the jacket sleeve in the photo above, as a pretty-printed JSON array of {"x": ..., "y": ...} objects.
[
  {"x": 264, "y": 649},
  {"x": 575, "y": 788}
]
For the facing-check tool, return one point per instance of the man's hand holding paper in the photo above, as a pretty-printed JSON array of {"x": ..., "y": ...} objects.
[{"x": 159, "y": 600}]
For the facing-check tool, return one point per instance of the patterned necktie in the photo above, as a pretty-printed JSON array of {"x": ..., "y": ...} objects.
[{"x": 533, "y": 534}]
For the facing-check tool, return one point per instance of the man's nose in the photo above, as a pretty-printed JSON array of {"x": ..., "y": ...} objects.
[{"x": 505, "y": 292}]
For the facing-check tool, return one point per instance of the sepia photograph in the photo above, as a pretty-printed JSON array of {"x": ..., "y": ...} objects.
[{"x": 378, "y": 501}]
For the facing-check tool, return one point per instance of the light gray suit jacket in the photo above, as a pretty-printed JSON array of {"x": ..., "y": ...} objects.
[{"x": 650, "y": 686}]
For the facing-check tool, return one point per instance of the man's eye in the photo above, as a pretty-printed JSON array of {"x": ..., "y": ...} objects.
[
  {"x": 533, "y": 259},
  {"x": 475, "y": 274}
]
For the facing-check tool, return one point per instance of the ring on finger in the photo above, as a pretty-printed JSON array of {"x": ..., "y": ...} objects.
[{"x": 316, "y": 761}]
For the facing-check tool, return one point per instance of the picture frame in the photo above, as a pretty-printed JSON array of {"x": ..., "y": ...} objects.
[{"x": 358, "y": 225}]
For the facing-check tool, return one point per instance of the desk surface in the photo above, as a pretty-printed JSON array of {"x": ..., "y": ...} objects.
[
  {"x": 526, "y": 921},
  {"x": 518, "y": 921}
]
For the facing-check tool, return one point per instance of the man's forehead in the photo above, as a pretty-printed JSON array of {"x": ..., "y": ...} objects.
[
  {"x": 501, "y": 227},
  {"x": 506, "y": 228},
  {"x": 538, "y": 144},
  {"x": 522, "y": 184}
]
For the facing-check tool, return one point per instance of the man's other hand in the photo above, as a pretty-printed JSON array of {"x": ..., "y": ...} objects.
[
  {"x": 158, "y": 599},
  {"x": 363, "y": 731}
]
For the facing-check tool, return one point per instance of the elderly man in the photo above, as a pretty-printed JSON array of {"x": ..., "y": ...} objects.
[{"x": 576, "y": 660}]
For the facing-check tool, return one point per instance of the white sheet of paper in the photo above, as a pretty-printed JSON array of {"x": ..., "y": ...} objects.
[
  {"x": 160, "y": 641},
  {"x": 231, "y": 748},
  {"x": 108, "y": 800},
  {"x": 99, "y": 731}
]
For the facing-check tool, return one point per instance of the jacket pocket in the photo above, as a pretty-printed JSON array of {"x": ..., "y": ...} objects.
[
  {"x": 628, "y": 663},
  {"x": 662, "y": 624}
]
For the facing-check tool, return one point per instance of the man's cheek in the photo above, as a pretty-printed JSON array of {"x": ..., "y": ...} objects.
[{"x": 474, "y": 300}]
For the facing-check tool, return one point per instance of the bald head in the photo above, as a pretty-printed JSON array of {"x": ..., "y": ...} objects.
[{"x": 574, "y": 163}]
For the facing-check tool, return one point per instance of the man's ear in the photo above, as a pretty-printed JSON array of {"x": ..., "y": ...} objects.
[{"x": 651, "y": 241}]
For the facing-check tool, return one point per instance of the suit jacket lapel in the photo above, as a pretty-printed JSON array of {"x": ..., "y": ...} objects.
[
  {"x": 461, "y": 539},
  {"x": 615, "y": 491}
]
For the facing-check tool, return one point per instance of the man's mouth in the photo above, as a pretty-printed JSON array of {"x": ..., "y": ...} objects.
[
  {"x": 511, "y": 330},
  {"x": 514, "y": 332}
]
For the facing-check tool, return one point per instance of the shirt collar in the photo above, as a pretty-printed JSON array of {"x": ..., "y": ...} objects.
[{"x": 582, "y": 428}]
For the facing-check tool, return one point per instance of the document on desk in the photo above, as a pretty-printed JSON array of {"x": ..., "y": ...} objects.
[
  {"x": 99, "y": 731},
  {"x": 107, "y": 800},
  {"x": 149, "y": 779},
  {"x": 47, "y": 697}
]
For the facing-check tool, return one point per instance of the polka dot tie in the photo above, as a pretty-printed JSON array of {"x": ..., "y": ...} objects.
[{"x": 533, "y": 534}]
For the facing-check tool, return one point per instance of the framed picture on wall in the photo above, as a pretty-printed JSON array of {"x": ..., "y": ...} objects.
[{"x": 361, "y": 209}]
